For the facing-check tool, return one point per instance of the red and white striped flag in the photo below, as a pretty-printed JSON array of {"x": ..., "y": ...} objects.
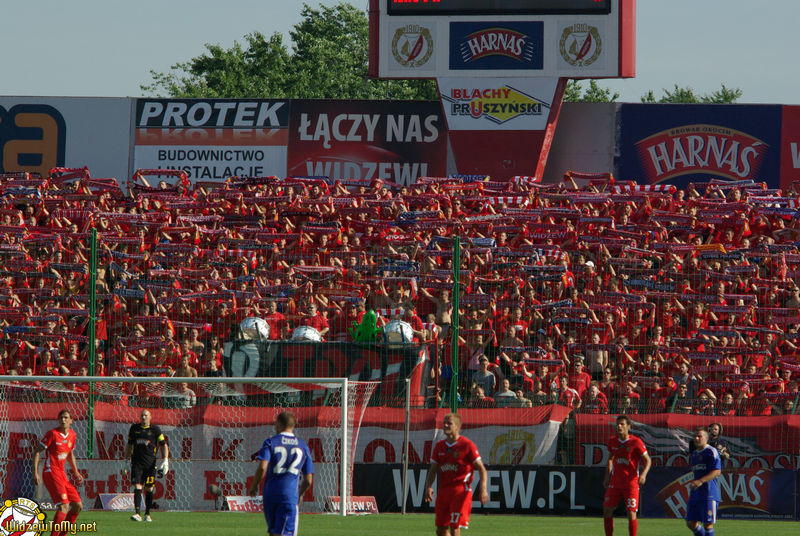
[
  {"x": 626, "y": 188},
  {"x": 508, "y": 200},
  {"x": 390, "y": 313}
]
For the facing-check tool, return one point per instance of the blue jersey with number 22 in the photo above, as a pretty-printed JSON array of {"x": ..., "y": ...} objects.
[{"x": 288, "y": 458}]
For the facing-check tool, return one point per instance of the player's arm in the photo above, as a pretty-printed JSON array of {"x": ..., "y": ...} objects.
[
  {"x": 261, "y": 470},
  {"x": 74, "y": 464},
  {"x": 129, "y": 446},
  {"x": 609, "y": 467},
  {"x": 483, "y": 494},
  {"x": 647, "y": 463},
  {"x": 694, "y": 484},
  {"x": 714, "y": 462},
  {"x": 36, "y": 452},
  {"x": 163, "y": 467},
  {"x": 164, "y": 449},
  {"x": 432, "y": 472},
  {"x": 305, "y": 484}
]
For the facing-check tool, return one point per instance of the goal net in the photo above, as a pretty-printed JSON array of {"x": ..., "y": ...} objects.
[{"x": 213, "y": 427}]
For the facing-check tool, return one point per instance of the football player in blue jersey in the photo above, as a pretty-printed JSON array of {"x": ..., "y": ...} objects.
[
  {"x": 704, "y": 496},
  {"x": 286, "y": 461}
]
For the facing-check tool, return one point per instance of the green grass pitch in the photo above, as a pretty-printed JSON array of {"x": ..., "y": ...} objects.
[{"x": 241, "y": 524}]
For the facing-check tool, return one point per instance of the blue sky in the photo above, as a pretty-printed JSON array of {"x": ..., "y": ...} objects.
[{"x": 107, "y": 47}]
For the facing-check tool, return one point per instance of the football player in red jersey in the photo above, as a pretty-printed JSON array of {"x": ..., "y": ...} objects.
[
  {"x": 59, "y": 444},
  {"x": 623, "y": 478},
  {"x": 453, "y": 460}
]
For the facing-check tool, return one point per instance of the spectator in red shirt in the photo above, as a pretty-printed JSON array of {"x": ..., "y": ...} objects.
[
  {"x": 315, "y": 319},
  {"x": 188, "y": 354},
  {"x": 594, "y": 401},
  {"x": 568, "y": 396},
  {"x": 478, "y": 398},
  {"x": 756, "y": 406},
  {"x": 727, "y": 405},
  {"x": 628, "y": 391},
  {"x": 410, "y": 317},
  {"x": 628, "y": 406},
  {"x": 518, "y": 323},
  {"x": 578, "y": 379},
  {"x": 607, "y": 385},
  {"x": 278, "y": 325}
]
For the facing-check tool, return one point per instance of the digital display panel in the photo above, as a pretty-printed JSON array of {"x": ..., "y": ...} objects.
[{"x": 498, "y": 7}]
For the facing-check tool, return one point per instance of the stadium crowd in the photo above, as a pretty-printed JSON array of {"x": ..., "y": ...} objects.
[{"x": 597, "y": 294}]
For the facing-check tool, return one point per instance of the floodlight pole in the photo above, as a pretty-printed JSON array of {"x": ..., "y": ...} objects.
[
  {"x": 454, "y": 324},
  {"x": 92, "y": 335}
]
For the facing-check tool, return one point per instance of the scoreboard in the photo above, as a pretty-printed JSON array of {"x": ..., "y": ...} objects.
[
  {"x": 496, "y": 7},
  {"x": 502, "y": 38}
]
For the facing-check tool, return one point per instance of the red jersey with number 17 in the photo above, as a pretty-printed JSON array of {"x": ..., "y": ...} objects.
[
  {"x": 58, "y": 446},
  {"x": 625, "y": 456},
  {"x": 455, "y": 462}
]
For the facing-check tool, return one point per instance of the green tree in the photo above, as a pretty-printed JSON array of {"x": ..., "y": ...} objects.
[
  {"x": 329, "y": 60},
  {"x": 575, "y": 92},
  {"x": 686, "y": 95}
]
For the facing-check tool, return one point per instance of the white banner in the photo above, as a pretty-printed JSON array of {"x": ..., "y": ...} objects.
[
  {"x": 497, "y": 104},
  {"x": 39, "y": 133},
  {"x": 202, "y": 162},
  {"x": 212, "y": 139}
]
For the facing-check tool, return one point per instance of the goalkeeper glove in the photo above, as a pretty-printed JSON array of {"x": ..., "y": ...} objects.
[{"x": 163, "y": 468}]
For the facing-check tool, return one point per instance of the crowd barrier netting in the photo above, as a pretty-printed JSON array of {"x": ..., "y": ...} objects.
[{"x": 597, "y": 295}]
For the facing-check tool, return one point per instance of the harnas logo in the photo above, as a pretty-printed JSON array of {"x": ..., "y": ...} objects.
[
  {"x": 496, "y": 41},
  {"x": 496, "y": 45},
  {"x": 701, "y": 148},
  {"x": 32, "y": 139}
]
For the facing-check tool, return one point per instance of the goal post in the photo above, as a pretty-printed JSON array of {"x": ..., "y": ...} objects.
[{"x": 213, "y": 426}]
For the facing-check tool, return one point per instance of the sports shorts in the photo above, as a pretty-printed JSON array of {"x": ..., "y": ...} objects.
[
  {"x": 61, "y": 490},
  {"x": 704, "y": 511},
  {"x": 143, "y": 473},
  {"x": 628, "y": 494},
  {"x": 281, "y": 518},
  {"x": 453, "y": 506}
]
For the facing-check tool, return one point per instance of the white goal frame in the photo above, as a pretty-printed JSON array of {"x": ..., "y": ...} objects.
[{"x": 345, "y": 457}]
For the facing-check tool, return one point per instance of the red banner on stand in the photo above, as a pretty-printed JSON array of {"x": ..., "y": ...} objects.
[
  {"x": 367, "y": 140},
  {"x": 501, "y": 127}
]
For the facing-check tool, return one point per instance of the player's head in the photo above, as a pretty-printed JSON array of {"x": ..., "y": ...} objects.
[
  {"x": 452, "y": 425},
  {"x": 285, "y": 422},
  {"x": 65, "y": 419},
  {"x": 145, "y": 417},
  {"x": 714, "y": 430},
  {"x": 623, "y": 424},
  {"x": 701, "y": 437}
]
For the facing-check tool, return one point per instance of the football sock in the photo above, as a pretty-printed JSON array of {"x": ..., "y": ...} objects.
[
  {"x": 633, "y": 525},
  {"x": 72, "y": 516},
  {"x": 699, "y": 530},
  {"x": 608, "y": 524},
  {"x": 137, "y": 499},
  {"x": 710, "y": 532},
  {"x": 58, "y": 518},
  {"x": 148, "y": 501}
]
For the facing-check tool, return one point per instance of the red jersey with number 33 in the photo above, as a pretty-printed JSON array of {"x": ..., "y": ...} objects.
[
  {"x": 455, "y": 462},
  {"x": 58, "y": 446},
  {"x": 625, "y": 456}
]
